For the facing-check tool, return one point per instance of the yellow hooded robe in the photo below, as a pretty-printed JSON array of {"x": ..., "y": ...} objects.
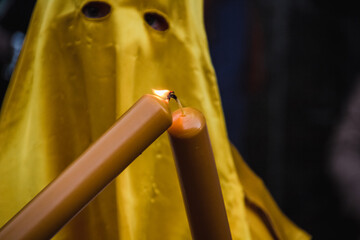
[{"x": 76, "y": 75}]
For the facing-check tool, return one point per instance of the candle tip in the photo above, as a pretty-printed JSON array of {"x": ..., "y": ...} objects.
[{"x": 167, "y": 95}]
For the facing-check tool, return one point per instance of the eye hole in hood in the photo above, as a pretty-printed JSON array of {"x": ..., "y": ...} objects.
[
  {"x": 96, "y": 10},
  {"x": 156, "y": 21}
]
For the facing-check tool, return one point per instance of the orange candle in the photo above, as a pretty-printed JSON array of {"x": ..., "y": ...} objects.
[
  {"x": 52, "y": 208},
  {"x": 198, "y": 176}
]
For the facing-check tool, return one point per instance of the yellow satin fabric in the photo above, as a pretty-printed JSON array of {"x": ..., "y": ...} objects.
[{"x": 75, "y": 76}]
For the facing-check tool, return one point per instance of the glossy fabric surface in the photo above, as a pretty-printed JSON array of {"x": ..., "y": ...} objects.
[{"x": 75, "y": 76}]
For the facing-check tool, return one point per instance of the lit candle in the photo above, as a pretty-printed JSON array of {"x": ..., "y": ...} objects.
[
  {"x": 52, "y": 208},
  {"x": 198, "y": 176}
]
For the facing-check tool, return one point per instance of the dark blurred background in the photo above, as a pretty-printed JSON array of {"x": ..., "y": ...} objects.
[
  {"x": 14, "y": 19},
  {"x": 286, "y": 71}
]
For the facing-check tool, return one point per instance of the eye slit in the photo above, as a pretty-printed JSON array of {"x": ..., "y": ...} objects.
[
  {"x": 96, "y": 9},
  {"x": 156, "y": 21}
]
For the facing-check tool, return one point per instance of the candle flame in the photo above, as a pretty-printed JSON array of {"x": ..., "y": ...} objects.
[{"x": 164, "y": 94}]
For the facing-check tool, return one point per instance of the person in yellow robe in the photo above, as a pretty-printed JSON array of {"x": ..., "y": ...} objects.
[{"x": 83, "y": 64}]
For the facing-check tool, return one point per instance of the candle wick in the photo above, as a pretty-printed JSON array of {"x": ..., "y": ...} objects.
[
  {"x": 172, "y": 95},
  {"x": 181, "y": 107}
]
